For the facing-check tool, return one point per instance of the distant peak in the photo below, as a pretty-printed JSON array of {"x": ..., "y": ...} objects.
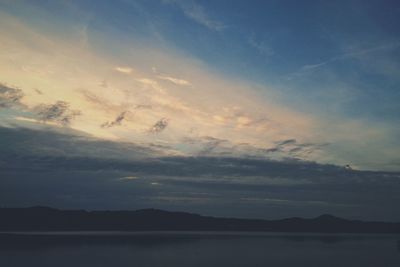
[
  {"x": 327, "y": 217},
  {"x": 151, "y": 210},
  {"x": 41, "y": 208}
]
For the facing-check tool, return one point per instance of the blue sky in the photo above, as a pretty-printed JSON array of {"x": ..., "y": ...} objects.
[{"x": 281, "y": 81}]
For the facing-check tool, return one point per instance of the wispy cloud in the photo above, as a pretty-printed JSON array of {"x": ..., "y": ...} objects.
[
  {"x": 175, "y": 80},
  {"x": 197, "y": 13},
  {"x": 128, "y": 178},
  {"x": 125, "y": 70},
  {"x": 345, "y": 56},
  {"x": 261, "y": 46},
  {"x": 33, "y": 120}
]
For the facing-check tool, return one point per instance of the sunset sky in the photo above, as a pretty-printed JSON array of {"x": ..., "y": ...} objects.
[{"x": 260, "y": 109}]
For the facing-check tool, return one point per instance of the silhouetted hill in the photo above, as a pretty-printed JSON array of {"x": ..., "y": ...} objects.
[{"x": 49, "y": 219}]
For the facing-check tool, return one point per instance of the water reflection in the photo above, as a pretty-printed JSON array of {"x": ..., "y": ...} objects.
[
  {"x": 198, "y": 249},
  {"x": 150, "y": 239}
]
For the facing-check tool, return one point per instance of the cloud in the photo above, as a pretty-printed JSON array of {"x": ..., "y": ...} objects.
[
  {"x": 125, "y": 70},
  {"x": 38, "y": 91},
  {"x": 308, "y": 147},
  {"x": 217, "y": 147},
  {"x": 159, "y": 126},
  {"x": 66, "y": 142},
  {"x": 286, "y": 142},
  {"x": 57, "y": 112},
  {"x": 211, "y": 144},
  {"x": 262, "y": 47},
  {"x": 356, "y": 53},
  {"x": 104, "y": 84},
  {"x": 115, "y": 122},
  {"x": 99, "y": 101},
  {"x": 78, "y": 170},
  {"x": 33, "y": 120},
  {"x": 175, "y": 80},
  {"x": 293, "y": 148},
  {"x": 273, "y": 149},
  {"x": 197, "y": 13},
  {"x": 127, "y": 178},
  {"x": 143, "y": 106},
  {"x": 83, "y": 151},
  {"x": 10, "y": 96}
]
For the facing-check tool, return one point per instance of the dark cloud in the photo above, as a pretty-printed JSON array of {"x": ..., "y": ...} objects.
[
  {"x": 58, "y": 112},
  {"x": 38, "y": 91},
  {"x": 211, "y": 146},
  {"x": 143, "y": 106},
  {"x": 273, "y": 149},
  {"x": 292, "y": 148},
  {"x": 71, "y": 170},
  {"x": 305, "y": 149},
  {"x": 10, "y": 96},
  {"x": 115, "y": 122},
  {"x": 211, "y": 143},
  {"x": 104, "y": 84},
  {"x": 220, "y": 185},
  {"x": 159, "y": 126},
  {"x": 51, "y": 142},
  {"x": 257, "y": 122},
  {"x": 295, "y": 149},
  {"x": 286, "y": 142}
]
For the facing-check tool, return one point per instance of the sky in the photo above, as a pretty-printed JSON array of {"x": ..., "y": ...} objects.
[{"x": 254, "y": 109}]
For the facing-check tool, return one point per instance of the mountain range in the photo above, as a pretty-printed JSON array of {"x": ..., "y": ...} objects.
[{"x": 50, "y": 219}]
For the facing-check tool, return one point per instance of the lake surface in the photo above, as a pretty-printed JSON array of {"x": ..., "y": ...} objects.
[{"x": 171, "y": 249}]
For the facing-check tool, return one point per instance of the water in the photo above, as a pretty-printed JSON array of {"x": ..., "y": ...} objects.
[{"x": 171, "y": 249}]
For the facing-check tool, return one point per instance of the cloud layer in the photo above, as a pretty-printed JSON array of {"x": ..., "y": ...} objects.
[{"x": 70, "y": 170}]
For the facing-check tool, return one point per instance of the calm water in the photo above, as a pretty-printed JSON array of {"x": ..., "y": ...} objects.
[{"x": 198, "y": 249}]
